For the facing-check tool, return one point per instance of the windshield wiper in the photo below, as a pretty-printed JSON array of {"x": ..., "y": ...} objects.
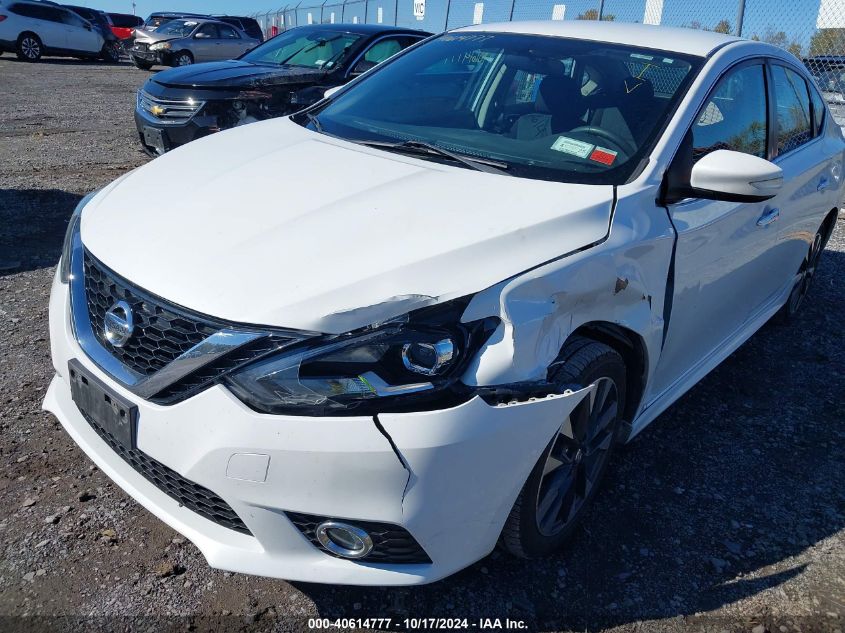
[
  {"x": 312, "y": 118},
  {"x": 421, "y": 147},
  {"x": 309, "y": 47}
]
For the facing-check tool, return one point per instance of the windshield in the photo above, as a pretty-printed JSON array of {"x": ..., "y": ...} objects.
[
  {"x": 179, "y": 28},
  {"x": 309, "y": 48},
  {"x": 547, "y": 107}
]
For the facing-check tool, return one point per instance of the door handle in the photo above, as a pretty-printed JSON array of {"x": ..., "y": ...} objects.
[
  {"x": 768, "y": 217},
  {"x": 823, "y": 184}
]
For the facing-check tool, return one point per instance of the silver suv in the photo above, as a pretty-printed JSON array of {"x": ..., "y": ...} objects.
[{"x": 187, "y": 41}]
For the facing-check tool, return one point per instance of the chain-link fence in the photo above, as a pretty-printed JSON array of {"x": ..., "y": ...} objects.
[{"x": 813, "y": 30}]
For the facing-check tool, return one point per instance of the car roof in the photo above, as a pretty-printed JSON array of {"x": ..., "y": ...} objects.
[
  {"x": 362, "y": 29},
  {"x": 678, "y": 40}
]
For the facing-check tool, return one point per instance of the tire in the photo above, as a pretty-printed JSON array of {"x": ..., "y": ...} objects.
[
  {"x": 110, "y": 52},
  {"x": 558, "y": 484},
  {"x": 29, "y": 47},
  {"x": 183, "y": 58},
  {"x": 141, "y": 64},
  {"x": 806, "y": 273}
]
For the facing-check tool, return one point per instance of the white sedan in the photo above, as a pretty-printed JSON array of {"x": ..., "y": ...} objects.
[{"x": 366, "y": 343}]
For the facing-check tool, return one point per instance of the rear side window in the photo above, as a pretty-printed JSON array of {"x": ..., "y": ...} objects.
[
  {"x": 227, "y": 32},
  {"x": 818, "y": 111},
  {"x": 734, "y": 116},
  {"x": 793, "y": 109}
]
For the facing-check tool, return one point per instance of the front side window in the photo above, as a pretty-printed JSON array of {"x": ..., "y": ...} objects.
[
  {"x": 793, "y": 109},
  {"x": 734, "y": 116},
  {"x": 523, "y": 101},
  {"x": 305, "y": 47},
  {"x": 207, "y": 31}
]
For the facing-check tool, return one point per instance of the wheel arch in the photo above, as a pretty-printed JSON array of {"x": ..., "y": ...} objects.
[
  {"x": 634, "y": 352},
  {"x": 32, "y": 33},
  {"x": 829, "y": 224}
]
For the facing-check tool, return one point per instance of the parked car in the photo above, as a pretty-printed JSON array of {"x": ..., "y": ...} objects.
[
  {"x": 33, "y": 29},
  {"x": 498, "y": 255},
  {"x": 829, "y": 73},
  {"x": 123, "y": 25},
  {"x": 99, "y": 20},
  {"x": 183, "y": 42},
  {"x": 283, "y": 75},
  {"x": 249, "y": 26}
]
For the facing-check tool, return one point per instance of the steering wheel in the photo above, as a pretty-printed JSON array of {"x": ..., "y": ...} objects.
[{"x": 624, "y": 145}]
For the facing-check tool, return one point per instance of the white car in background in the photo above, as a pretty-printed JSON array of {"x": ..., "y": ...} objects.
[
  {"x": 500, "y": 254},
  {"x": 33, "y": 29}
]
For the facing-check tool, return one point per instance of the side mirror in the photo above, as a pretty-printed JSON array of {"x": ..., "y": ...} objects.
[
  {"x": 201, "y": 36},
  {"x": 87, "y": 27},
  {"x": 328, "y": 93},
  {"x": 729, "y": 176}
]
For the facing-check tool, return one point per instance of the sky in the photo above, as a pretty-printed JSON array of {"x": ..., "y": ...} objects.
[{"x": 795, "y": 17}]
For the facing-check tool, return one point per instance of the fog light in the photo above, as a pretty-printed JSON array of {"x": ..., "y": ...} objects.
[{"x": 344, "y": 540}]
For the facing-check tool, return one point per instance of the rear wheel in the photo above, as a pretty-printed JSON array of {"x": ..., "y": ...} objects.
[
  {"x": 804, "y": 280},
  {"x": 183, "y": 58},
  {"x": 110, "y": 52},
  {"x": 29, "y": 47},
  {"x": 567, "y": 475}
]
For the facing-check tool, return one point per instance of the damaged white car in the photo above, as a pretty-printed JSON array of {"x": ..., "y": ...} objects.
[{"x": 366, "y": 343}]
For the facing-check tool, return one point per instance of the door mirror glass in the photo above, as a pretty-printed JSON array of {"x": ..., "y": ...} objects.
[
  {"x": 735, "y": 177},
  {"x": 202, "y": 36}
]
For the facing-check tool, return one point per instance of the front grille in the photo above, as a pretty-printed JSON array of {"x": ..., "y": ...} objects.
[
  {"x": 168, "y": 110},
  {"x": 189, "y": 494},
  {"x": 391, "y": 543},
  {"x": 162, "y": 332}
]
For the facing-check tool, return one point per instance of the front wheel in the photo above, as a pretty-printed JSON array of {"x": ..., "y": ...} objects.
[
  {"x": 567, "y": 475},
  {"x": 139, "y": 63},
  {"x": 29, "y": 47},
  {"x": 183, "y": 58}
]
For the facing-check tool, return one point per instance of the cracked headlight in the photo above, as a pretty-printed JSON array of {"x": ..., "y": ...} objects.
[
  {"x": 413, "y": 363},
  {"x": 72, "y": 228}
]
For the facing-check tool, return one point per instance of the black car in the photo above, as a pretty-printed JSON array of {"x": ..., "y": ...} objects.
[
  {"x": 249, "y": 26},
  {"x": 112, "y": 48},
  {"x": 283, "y": 75}
]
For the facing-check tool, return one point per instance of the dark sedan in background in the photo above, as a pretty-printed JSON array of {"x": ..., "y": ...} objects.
[{"x": 283, "y": 75}]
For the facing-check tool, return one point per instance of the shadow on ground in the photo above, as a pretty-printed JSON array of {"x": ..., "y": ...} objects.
[{"x": 33, "y": 225}]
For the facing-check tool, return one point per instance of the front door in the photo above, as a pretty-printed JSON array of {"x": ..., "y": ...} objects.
[
  {"x": 204, "y": 47},
  {"x": 230, "y": 44},
  {"x": 721, "y": 276},
  {"x": 80, "y": 35}
]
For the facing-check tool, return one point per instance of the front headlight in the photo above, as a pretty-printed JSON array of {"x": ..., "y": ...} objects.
[
  {"x": 72, "y": 228},
  {"x": 409, "y": 364},
  {"x": 160, "y": 46}
]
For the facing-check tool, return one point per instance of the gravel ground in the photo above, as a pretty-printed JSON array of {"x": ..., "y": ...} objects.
[{"x": 728, "y": 513}]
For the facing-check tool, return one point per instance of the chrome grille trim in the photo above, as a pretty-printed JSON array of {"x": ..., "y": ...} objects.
[
  {"x": 167, "y": 111},
  {"x": 202, "y": 355}
]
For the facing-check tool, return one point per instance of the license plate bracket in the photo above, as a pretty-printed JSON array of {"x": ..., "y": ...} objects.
[
  {"x": 154, "y": 138},
  {"x": 102, "y": 406}
]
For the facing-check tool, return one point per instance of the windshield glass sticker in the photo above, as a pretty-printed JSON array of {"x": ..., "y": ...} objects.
[
  {"x": 603, "y": 155},
  {"x": 572, "y": 146}
]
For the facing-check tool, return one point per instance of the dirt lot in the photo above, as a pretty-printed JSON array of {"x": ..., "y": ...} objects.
[{"x": 727, "y": 514}]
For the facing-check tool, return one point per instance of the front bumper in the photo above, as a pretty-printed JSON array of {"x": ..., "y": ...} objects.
[
  {"x": 451, "y": 485},
  {"x": 173, "y": 134}
]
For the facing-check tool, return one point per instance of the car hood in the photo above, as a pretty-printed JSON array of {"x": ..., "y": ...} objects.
[
  {"x": 236, "y": 74},
  {"x": 148, "y": 37},
  {"x": 274, "y": 224}
]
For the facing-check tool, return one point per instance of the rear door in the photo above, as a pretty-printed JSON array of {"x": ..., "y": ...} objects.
[
  {"x": 723, "y": 253},
  {"x": 80, "y": 35},
  {"x": 231, "y": 44},
  {"x": 807, "y": 160}
]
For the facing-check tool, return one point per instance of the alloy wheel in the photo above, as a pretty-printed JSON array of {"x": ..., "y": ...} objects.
[
  {"x": 806, "y": 274},
  {"x": 576, "y": 459},
  {"x": 30, "y": 48},
  {"x": 183, "y": 60}
]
